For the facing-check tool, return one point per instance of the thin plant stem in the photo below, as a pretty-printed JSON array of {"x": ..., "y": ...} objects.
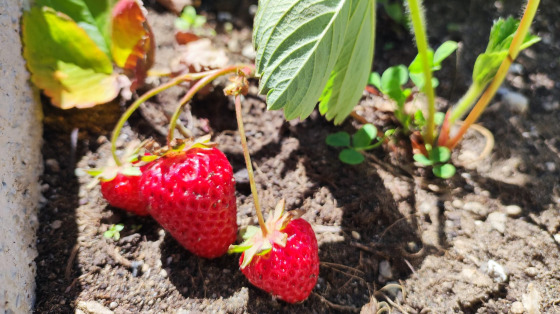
[
  {"x": 147, "y": 95},
  {"x": 514, "y": 49},
  {"x": 417, "y": 18},
  {"x": 195, "y": 89},
  {"x": 249, "y": 165},
  {"x": 466, "y": 102}
]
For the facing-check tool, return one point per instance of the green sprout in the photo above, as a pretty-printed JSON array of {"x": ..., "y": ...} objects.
[
  {"x": 437, "y": 158},
  {"x": 189, "y": 20},
  {"x": 366, "y": 138},
  {"x": 114, "y": 232}
]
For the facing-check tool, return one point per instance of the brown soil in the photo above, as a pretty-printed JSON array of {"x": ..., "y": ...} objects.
[{"x": 436, "y": 241}]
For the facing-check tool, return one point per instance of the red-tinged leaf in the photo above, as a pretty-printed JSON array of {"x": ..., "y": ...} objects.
[
  {"x": 65, "y": 62},
  {"x": 183, "y": 38},
  {"x": 132, "y": 44}
]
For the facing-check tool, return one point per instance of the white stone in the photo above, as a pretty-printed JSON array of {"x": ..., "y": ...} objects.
[
  {"x": 496, "y": 271},
  {"x": 516, "y": 102},
  {"x": 20, "y": 167},
  {"x": 517, "y": 308},
  {"x": 513, "y": 210},
  {"x": 557, "y": 237},
  {"x": 497, "y": 221},
  {"x": 385, "y": 269}
]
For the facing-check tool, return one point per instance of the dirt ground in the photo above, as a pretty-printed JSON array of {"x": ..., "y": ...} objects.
[{"x": 390, "y": 234}]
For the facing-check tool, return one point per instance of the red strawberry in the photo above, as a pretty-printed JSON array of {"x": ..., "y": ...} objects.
[
  {"x": 285, "y": 262},
  {"x": 123, "y": 192},
  {"x": 192, "y": 195}
]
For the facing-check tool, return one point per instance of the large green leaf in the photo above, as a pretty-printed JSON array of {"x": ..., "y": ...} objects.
[
  {"x": 351, "y": 71},
  {"x": 91, "y": 15},
  {"x": 65, "y": 62},
  {"x": 298, "y": 43}
]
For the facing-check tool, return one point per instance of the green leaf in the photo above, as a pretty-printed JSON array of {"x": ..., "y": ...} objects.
[
  {"x": 501, "y": 36},
  {"x": 393, "y": 78},
  {"x": 339, "y": 139},
  {"x": 351, "y": 71},
  {"x": 439, "y": 154},
  {"x": 422, "y": 160},
  {"x": 189, "y": 19},
  {"x": 297, "y": 45},
  {"x": 445, "y": 171},
  {"x": 351, "y": 157},
  {"x": 375, "y": 80},
  {"x": 364, "y": 136},
  {"x": 439, "y": 117},
  {"x": 444, "y": 51},
  {"x": 65, "y": 62},
  {"x": 119, "y": 227},
  {"x": 419, "y": 118},
  {"x": 93, "y": 16}
]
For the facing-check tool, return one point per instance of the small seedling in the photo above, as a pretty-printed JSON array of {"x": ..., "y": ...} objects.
[
  {"x": 114, "y": 232},
  {"x": 361, "y": 141},
  {"x": 189, "y": 20},
  {"x": 437, "y": 158}
]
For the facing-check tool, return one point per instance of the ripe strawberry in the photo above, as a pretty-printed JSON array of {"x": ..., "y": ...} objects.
[
  {"x": 285, "y": 262},
  {"x": 192, "y": 195},
  {"x": 123, "y": 192}
]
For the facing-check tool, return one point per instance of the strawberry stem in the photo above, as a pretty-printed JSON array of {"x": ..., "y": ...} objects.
[
  {"x": 248, "y": 164},
  {"x": 209, "y": 77},
  {"x": 152, "y": 92}
]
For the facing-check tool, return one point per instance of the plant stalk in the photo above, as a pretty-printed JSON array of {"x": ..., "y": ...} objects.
[
  {"x": 147, "y": 95},
  {"x": 249, "y": 165},
  {"x": 514, "y": 49},
  {"x": 195, "y": 89},
  {"x": 417, "y": 18},
  {"x": 466, "y": 102}
]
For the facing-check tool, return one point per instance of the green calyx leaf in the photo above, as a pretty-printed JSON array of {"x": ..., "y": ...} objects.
[
  {"x": 444, "y": 171},
  {"x": 351, "y": 156},
  {"x": 338, "y": 139},
  {"x": 313, "y": 49},
  {"x": 257, "y": 244},
  {"x": 365, "y": 135}
]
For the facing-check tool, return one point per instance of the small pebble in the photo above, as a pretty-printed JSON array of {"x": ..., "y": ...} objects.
[
  {"x": 476, "y": 208},
  {"x": 425, "y": 208},
  {"x": 517, "y": 308},
  {"x": 495, "y": 271},
  {"x": 56, "y": 224},
  {"x": 513, "y": 210},
  {"x": 163, "y": 273},
  {"x": 557, "y": 238},
  {"x": 497, "y": 221},
  {"x": 385, "y": 269},
  {"x": 356, "y": 235},
  {"x": 517, "y": 102},
  {"x": 52, "y": 164},
  {"x": 550, "y": 166},
  {"x": 457, "y": 204},
  {"x": 113, "y": 305},
  {"x": 531, "y": 271}
]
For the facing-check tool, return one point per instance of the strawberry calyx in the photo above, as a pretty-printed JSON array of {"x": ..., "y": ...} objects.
[
  {"x": 152, "y": 150},
  {"x": 258, "y": 243}
]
